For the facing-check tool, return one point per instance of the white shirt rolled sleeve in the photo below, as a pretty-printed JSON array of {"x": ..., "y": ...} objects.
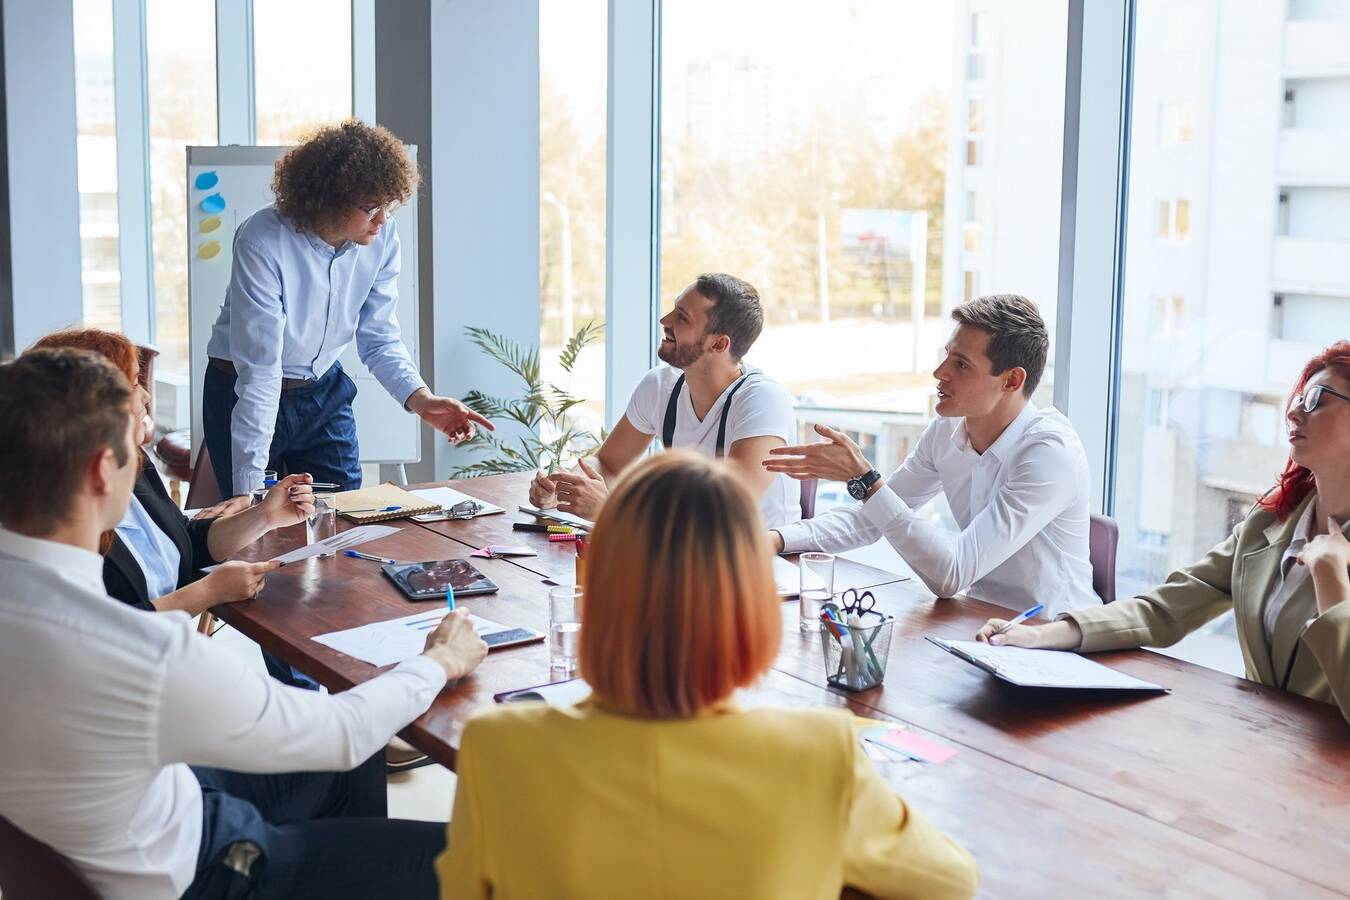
[{"x": 256, "y": 724}]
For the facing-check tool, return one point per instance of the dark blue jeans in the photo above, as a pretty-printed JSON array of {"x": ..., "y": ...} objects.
[
  {"x": 315, "y": 430},
  {"x": 310, "y": 834}
]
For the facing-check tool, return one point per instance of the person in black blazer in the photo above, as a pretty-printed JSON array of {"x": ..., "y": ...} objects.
[{"x": 200, "y": 543}]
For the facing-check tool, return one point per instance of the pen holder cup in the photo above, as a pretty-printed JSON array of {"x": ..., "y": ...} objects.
[{"x": 857, "y": 662}]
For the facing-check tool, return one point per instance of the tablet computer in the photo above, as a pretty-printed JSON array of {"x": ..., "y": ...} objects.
[{"x": 428, "y": 580}]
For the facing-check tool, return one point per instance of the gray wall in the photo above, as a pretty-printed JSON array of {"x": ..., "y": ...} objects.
[
  {"x": 461, "y": 81},
  {"x": 40, "y": 286}
]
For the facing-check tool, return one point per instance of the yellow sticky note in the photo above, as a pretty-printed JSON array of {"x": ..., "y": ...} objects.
[
  {"x": 209, "y": 250},
  {"x": 209, "y": 224}
]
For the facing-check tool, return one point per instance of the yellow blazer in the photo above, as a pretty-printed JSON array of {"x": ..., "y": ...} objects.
[
  {"x": 741, "y": 804},
  {"x": 1239, "y": 574}
]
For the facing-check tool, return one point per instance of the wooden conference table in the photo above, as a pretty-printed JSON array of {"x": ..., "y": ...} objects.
[{"x": 1223, "y": 788}]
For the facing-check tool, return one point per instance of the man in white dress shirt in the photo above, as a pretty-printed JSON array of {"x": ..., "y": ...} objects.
[
  {"x": 1015, "y": 477},
  {"x": 103, "y": 704}
]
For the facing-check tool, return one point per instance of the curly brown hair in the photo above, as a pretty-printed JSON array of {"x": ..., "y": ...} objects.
[{"x": 340, "y": 166}]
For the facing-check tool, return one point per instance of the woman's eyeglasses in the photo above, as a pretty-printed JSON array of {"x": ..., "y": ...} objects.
[{"x": 1310, "y": 399}]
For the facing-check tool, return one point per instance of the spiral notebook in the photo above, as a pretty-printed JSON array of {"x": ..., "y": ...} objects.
[{"x": 371, "y": 504}]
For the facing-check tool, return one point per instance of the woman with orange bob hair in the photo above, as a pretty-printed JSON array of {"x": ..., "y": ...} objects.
[{"x": 659, "y": 785}]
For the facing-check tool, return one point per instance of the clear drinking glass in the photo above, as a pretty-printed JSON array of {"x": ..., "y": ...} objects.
[
  {"x": 323, "y": 523},
  {"x": 816, "y": 571},
  {"x": 259, "y": 484},
  {"x": 564, "y": 628}
]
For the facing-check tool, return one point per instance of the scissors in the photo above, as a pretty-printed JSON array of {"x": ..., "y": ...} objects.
[{"x": 860, "y": 604}]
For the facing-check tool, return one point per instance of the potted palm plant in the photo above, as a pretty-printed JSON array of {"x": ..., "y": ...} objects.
[{"x": 553, "y": 438}]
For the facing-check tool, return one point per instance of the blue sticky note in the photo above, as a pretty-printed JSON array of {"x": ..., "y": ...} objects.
[
  {"x": 206, "y": 181},
  {"x": 213, "y": 204}
]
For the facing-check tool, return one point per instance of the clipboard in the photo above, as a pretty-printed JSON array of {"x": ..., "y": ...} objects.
[{"x": 1044, "y": 668}]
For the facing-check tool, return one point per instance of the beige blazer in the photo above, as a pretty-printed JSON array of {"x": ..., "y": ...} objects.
[{"x": 1239, "y": 573}]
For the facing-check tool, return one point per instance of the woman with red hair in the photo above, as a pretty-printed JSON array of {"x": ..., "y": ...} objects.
[
  {"x": 1284, "y": 571},
  {"x": 152, "y": 560},
  {"x": 658, "y": 785}
]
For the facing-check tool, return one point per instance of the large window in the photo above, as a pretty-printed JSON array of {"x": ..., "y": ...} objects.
[
  {"x": 95, "y": 116},
  {"x": 867, "y": 166},
  {"x": 1234, "y": 268},
  {"x": 181, "y": 69},
  {"x": 301, "y": 83},
  {"x": 572, "y": 116}
]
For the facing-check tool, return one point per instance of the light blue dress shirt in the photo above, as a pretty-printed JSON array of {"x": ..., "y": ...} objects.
[
  {"x": 153, "y": 550},
  {"x": 294, "y": 304}
]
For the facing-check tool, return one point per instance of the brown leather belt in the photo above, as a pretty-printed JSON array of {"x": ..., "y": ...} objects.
[{"x": 287, "y": 384}]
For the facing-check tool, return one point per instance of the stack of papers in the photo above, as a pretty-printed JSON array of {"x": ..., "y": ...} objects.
[
  {"x": 559, "y": 694},
  {"x": 445, "y": 498},
  {"x": 1044, "y": 668}
]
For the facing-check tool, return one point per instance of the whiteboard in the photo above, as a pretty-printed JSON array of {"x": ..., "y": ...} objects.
[{"x": 386, "y": 432}]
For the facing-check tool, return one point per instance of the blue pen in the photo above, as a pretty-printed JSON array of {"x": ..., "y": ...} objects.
[
  {"x": 372, "y": 509},
  {"x": 450, "y": 596},
  {"x": 1020, "y": 618},
  {"x": 357, "y": 554}
]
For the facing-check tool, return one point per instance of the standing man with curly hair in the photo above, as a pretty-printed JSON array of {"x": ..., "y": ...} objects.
[{"x": 311, "y": 273}]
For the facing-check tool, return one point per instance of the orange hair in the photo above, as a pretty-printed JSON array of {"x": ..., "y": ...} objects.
[
  {"x": 680, "y": 604},
  {"x": 117, "y": 348}
]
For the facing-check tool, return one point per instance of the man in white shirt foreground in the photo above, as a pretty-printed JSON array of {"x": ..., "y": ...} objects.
[
  {"x": 703, "y": 398},
  {"x": 106, "y": 706},
  {"x": 1015, "y": 477}
]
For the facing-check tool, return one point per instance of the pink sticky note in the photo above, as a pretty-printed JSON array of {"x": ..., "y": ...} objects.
[{"x": 918, "y": 745}]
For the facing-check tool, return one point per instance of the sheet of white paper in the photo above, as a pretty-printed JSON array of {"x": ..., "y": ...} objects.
[
  {"x": 330, "y": 546},
  {"x": 559, "y": 516},
  {"x": 343, "y": 540},
  {"x": 449, "y": 497},
  {"x": 394, "y": 640},
  {"x": 787, "y": 578},
  {"x": 1046, "y": 668},
  {"x": 560, "y": 694}
]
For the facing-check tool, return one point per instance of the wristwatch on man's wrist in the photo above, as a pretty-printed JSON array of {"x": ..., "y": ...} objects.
[{"x": 858, "y": 486}]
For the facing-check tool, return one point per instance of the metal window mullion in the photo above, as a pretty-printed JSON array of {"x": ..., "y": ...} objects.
[
  {"x": 236, "y": 113},
  {"x": 363, "y": 60},
  {"x": 135, "y": 244},
  {"x": 1092, "y": 230},
  {"x": 633, "y": 198}
]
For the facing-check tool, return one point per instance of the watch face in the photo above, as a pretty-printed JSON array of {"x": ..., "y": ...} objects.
[{"x": 856, "y": 489}]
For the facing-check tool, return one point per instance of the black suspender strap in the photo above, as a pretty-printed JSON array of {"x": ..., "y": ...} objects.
[{"x": 668, "y": 429}]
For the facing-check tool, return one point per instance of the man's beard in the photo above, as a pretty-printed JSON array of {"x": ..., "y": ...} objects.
[{"x": 679, "y": 357}]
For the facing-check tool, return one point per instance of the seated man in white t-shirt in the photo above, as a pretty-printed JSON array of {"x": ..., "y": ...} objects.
[
  {"x": 1016, "y": 477},
  {"x": 702, "y": 399}
]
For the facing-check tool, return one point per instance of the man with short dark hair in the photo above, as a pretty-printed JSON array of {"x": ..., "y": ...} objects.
[
  {"x": 703, "y": 398},
  {"x": 312, "y": 273},
  {"x": 103, "y": 704},
  {"x": 1016, "y": 477}
]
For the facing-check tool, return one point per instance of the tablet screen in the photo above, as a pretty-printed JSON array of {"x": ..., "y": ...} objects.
[{"x": 426, "y": 580}]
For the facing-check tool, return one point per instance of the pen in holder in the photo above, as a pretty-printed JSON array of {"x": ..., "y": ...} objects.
[{"x": 856, "y": 646}]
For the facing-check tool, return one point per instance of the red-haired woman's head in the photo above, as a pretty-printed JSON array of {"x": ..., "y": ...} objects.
[
  {"x": 680, "y": 604},
  {"x": 1319, "y": 439},
  {"x": 117, "y": 349}
]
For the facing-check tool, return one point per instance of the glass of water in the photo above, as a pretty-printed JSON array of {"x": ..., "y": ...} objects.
[
  {"x": 259, "y": 484},
  {"x": 564, "y": 628},
  {"x": 816, "y": 571},
  {"x": 323, "y": 523}
]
